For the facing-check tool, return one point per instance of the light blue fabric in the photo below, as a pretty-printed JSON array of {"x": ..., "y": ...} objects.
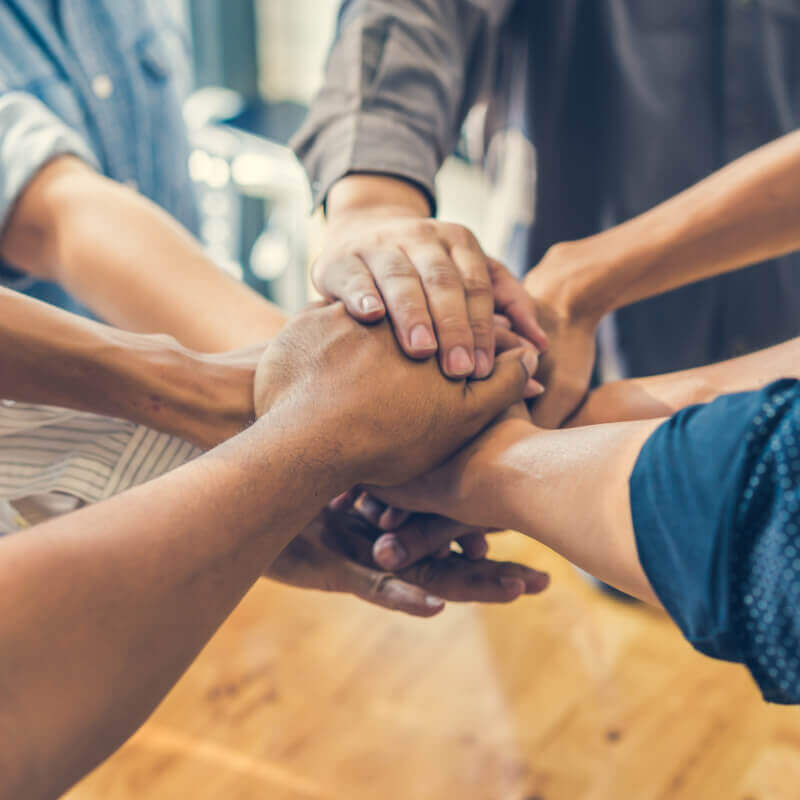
[{"x": 52, "y": 53}]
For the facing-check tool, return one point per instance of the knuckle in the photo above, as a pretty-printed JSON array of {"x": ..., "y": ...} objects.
[
  {"x": 478, "y": 286},
  {"x": 395, "y": 267},
  {"x": 482, "y": 327},
  {"x": 460, "y": 236},
  {"x": 453, "y": 326},
  {"x": 441, "y": 274},
  {"x": 423, "y": 228}
]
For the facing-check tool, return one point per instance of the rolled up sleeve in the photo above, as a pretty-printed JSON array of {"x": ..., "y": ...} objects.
[
  {"x": 31, "y": 136},
  {"x": 715, "y": 500},
  {"x": 401, "y": 76}
]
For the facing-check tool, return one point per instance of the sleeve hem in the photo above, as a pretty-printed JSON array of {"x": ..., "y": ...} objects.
[{"x": 367, "y": 143}]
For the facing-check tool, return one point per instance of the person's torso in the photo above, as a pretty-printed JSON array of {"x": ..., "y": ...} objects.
[{"x": 628, "y": 102}]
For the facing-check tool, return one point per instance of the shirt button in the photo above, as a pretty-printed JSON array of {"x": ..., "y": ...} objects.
[{"x": 103, "y": 87}]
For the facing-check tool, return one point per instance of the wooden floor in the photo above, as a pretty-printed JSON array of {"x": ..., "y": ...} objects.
[{"x": 568, "y": 696}]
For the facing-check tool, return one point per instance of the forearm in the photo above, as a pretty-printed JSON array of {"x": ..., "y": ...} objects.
[
  {"x": 101, "y": 611},
  {"x": 569, "y": 490},
  {"x": 56, "y": 358},
  {"x": 663, "y": 395},
  {"x": 740, "y": 215},
  {"x": 130, "y": 262}
]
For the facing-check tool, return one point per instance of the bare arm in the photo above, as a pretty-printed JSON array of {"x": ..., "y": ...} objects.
[
  {"x": 56, "y": 358},
  {"x": 742, "y": 214},
  {"x": 745, "y": 213},
  {"x": 663, "y": 395},
  {"x": 101, "y": 611},
  {"x": 129, "y": 261},
  {"x": 400, "y": 79},
  {"x": 567, "y": 489}
]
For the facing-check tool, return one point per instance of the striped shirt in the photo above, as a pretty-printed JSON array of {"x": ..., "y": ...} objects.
[{"x": 46, "y": 450}]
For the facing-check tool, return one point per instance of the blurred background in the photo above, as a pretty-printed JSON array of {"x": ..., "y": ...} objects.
[
  {"x": 310, "y": 696},
  {"x": 256, "y": 65}
]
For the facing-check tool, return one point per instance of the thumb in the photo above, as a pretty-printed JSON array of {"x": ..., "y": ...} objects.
[{"x": 492, "y": 396}]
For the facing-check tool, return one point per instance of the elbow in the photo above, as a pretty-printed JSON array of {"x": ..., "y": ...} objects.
[{"x": 42, "y": 222}]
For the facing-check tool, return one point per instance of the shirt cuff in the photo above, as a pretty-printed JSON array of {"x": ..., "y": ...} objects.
[
  {"x": 31, "y": 135},
  {"x": 365, "y": 142}
]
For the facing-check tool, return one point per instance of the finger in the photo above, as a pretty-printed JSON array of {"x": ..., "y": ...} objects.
[
  {"x": 458, "y": 579},
  {"x": 471, "y": 262},
  {"x": 401, "y": 288},
  {"x": 502, "y": 321},
  {"x": 344, "y": 502},
  {"x": 444, "y": 289},
  {"x": 508, "y": 340},
  {"x": 511, "y": 299},
  {"x": 348, "y": 279},
  {"x": 423, "y": 536},
  {"x": 387, "y": 591},
  {"x": 507, "y": 386},
  {"x": 393, "y": 518},
  {"x": 474, "y": 545},
  {"x": 370, "y": 508}
]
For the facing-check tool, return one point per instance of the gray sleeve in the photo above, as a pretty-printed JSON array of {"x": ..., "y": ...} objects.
[
  {"x": 401, "y": 76},
  {"x": 30, "y": 136}
]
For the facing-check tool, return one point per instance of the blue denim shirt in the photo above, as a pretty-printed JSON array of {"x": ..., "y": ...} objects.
[{"x": 100, "y": 79}]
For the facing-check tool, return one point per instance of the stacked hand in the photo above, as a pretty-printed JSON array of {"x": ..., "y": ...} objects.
[{"x": 335, "y": 554}]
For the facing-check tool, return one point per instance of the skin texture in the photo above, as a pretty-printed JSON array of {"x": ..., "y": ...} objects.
[
  {"x": 540, "y": 482},
  {"x": 128, "y": 591},
  {"x": 383, "y": 255},
  {"x": 60, "y": 231},
  {"x": 740, "y": 215},
  {"x": 57, "y": 358}
]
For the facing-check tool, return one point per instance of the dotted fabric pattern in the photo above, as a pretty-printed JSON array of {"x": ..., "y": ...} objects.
[{"x": 765, "y": 550}]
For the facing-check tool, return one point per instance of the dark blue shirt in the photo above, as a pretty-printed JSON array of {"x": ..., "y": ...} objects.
[{"x": 715, "y": 499}]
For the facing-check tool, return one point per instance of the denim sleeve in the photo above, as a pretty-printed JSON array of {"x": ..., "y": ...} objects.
[
  {"x": 401, "y": 76},
  {"x": 30, "y": 136},
  {"x": 715, "y": 499}
]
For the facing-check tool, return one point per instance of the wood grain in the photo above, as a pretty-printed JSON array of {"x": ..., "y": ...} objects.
[{"x": 567, "y": 696}]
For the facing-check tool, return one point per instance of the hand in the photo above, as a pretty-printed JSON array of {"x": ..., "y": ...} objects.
[
  {"x": 334, "y": 554},
  {"x": 381, "y": 417},
  {"x": 566, "y": 368},
  {"x": 438, "y": 286},
  {"x": 463, "y": 488}
]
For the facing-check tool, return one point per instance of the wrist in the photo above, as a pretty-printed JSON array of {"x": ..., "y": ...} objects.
[
  {"x": 165, "y": 386},
  {"x": 585, "y": 279},
  {"x": 479, "y": 493},
  {"x": 375, "y": 195}
]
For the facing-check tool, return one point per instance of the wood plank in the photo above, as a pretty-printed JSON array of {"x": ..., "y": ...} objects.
[{"x": 567, "y": 696}]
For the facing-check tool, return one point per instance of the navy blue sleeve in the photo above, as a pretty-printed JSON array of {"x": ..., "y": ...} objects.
[{"x": 715, "y": 500}]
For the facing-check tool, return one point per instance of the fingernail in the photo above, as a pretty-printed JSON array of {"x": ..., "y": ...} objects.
[
  {"x": 538, "y": 582},
  {"x": 370, "y": 508},
  {"x": 433, "y": 602},
  {"x": 482, "y": 364},
  {"x": 514, "y": 586},
  {"x": 392, "y": 519},
  {"x": 533, "y": 389},
  {"x": 421, "y": 338},
  {"x": 459, "y": 361},
  {"x": 370, "y": 304},
  {"x": 531, "y": 362},
  {"x": 389, "y": 553}
]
